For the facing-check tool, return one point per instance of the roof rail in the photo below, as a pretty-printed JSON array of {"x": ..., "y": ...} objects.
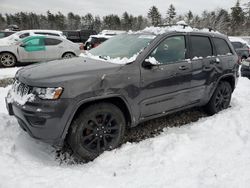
[{"x": 170, "y": 25}]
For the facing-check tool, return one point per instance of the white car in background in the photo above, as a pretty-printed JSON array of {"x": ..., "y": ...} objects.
[
  {"x": 241, "y": 47},
  {"x": 26, "y": 33},
  {"x": 38, "y": 48}
]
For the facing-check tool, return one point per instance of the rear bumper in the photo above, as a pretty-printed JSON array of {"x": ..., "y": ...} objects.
[
  {"x": 43, "y": 120},
  {"x": 245, "y": 72}
]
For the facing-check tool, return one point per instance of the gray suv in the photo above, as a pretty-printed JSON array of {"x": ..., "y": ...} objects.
[{"x": 88, "y": 102}]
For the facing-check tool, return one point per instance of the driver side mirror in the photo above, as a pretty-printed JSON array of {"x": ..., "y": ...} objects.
[
  {"x": 23, "y": 45},
  {"x": 150, "y": 62}
]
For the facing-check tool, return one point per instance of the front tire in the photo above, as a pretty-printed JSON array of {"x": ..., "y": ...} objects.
[
  {"x": 7, "y": 59},
  {"x": 221, "y": 98},
  {"x": 68, "y": 55},
  {"x": 98, "y": 128}
]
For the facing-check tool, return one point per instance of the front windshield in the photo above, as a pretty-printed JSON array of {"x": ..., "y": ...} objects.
[{"x": 122, "y": 46}]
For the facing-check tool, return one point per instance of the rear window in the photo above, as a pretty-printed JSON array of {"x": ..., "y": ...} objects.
[
  {"x": 43, "y": 33},
  {"x": 201, "y": 46},
  {"x": 24, "y": 35},
  {"x": 51, "y": 42},
  {"x": 221, "y": 46},
  {"x": 237, "y": 45}
]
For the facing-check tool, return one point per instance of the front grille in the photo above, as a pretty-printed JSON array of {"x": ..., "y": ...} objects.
[{"x": 21, "y": 89}]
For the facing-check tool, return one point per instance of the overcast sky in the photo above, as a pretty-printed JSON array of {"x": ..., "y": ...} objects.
[{"x": 104, "y": 7}]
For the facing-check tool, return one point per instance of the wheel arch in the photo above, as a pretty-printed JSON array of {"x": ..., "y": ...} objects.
[
  {"x": 12, "y": 53},
  {"x": 228, "y": 78},
  {"x": 114, "y": 99}
]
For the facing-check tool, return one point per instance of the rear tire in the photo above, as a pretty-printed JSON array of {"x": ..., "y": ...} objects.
[
  {"x": 221, "y": 98},
  {"x": 68, "y": 55},
  {"x": 7, "y": 59},
  {"x": 98, "y": 128}
]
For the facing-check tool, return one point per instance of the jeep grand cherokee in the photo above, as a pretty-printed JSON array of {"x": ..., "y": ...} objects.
[{"x": 89, "y": 102}]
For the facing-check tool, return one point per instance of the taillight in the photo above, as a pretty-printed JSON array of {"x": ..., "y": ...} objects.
[
  {"x": 239, "y": 60},
  {"x": 96, "y": 44},
  {"x": 81, "y": 47}
]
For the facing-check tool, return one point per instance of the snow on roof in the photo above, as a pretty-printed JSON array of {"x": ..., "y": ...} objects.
[
  {"x": 180, "y": 26},
  {"x": 102, "y": 36},
  {"x": 237, "y": 39},
  {"x": 112, "y": 32}
]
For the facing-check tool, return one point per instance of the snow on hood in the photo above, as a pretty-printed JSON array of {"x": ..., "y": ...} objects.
[{"x": 117, "y": 60}]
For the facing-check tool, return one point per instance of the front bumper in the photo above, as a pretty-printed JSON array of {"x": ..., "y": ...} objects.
[{"x": 44, "y": 120}]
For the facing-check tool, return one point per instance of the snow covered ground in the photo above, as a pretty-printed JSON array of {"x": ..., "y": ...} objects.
[
  {"x": 212, "y": 152},
  {"x": 8, "y": 72}
]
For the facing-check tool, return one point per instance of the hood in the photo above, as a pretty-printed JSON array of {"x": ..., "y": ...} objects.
[{"x": 54, "y": 73}]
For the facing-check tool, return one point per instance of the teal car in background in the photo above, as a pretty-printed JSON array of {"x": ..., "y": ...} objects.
[{"x": 37, "y": 49}]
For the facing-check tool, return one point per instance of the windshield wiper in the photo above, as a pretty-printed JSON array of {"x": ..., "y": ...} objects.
[{"x": 103, "y": 57}]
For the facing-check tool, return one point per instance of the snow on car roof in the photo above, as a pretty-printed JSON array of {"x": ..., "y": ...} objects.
[
  {"x": 237, "y": 39},
  {"x": 180, "y": 26}
]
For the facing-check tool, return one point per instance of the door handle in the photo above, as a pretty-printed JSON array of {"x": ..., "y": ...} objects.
[
  {"x": 183, "y": 67},
  {"x": 217, "y": 61}
]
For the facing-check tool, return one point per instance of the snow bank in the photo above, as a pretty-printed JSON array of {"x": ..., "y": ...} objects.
[
  {"x": 212, "y": 152},
  {"x": 8, "y": 72}
]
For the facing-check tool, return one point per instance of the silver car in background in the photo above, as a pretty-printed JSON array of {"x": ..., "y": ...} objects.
[{"x": 37, "y": 49}]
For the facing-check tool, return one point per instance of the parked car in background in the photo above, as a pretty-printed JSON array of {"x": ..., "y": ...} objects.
[
  {"x": 95, "y": 98},
  {"x": 241, "y": 47},
  {"x": 37, "y": 49},
  {"x": 246, "y": 38},
  {"x": 79, "y": 36},
  {"x": 4, "y": 34},
  {"x": 245, "y": 68},
  {"x": 26, "y": 33},
  {"x": 96, "y": 40},
  {"x": 12, "y": 28}
]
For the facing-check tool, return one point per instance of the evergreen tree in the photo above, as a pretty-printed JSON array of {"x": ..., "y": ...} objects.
[
  {"x": 88, "y": 21},
  {"x": 171, "y": 14},
  {"x": 154, "y": 16},
  {"x": 189, "y": 17},
  {"x": 223, "y": 21},
  {"x": 237, "y": 18}
]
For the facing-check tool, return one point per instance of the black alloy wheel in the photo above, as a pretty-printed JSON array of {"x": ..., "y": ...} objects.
[
  {"x": 221, "y": 98},
  {"x": 98, "y": 128}
]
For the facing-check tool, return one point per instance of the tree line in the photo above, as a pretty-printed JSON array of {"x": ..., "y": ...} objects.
[{"x": 233, "y": 22}]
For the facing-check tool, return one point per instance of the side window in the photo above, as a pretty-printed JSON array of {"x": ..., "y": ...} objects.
[
  {"x": 201, "y": 46},
  {"x": 34, "y": 42},
  {"x": 51, "y": 42},
  {"x": 221, "y": 46},
  {"x": 24, "y": 35},
  {"x": 171, "y": 50}
]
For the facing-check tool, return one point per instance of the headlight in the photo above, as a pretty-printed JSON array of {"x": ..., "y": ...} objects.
[{"x": 48, "y": 93}]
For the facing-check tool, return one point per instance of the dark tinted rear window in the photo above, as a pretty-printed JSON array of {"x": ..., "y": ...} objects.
[
  {"x": 51, "y": 42},
  {"x": 221, "y": 46},
  {"x": 24, "y": 35},
  {"x": 237, "y": 45},
  {"x": 42, "y": 33},
  {"x": 201, "y": 46}
]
